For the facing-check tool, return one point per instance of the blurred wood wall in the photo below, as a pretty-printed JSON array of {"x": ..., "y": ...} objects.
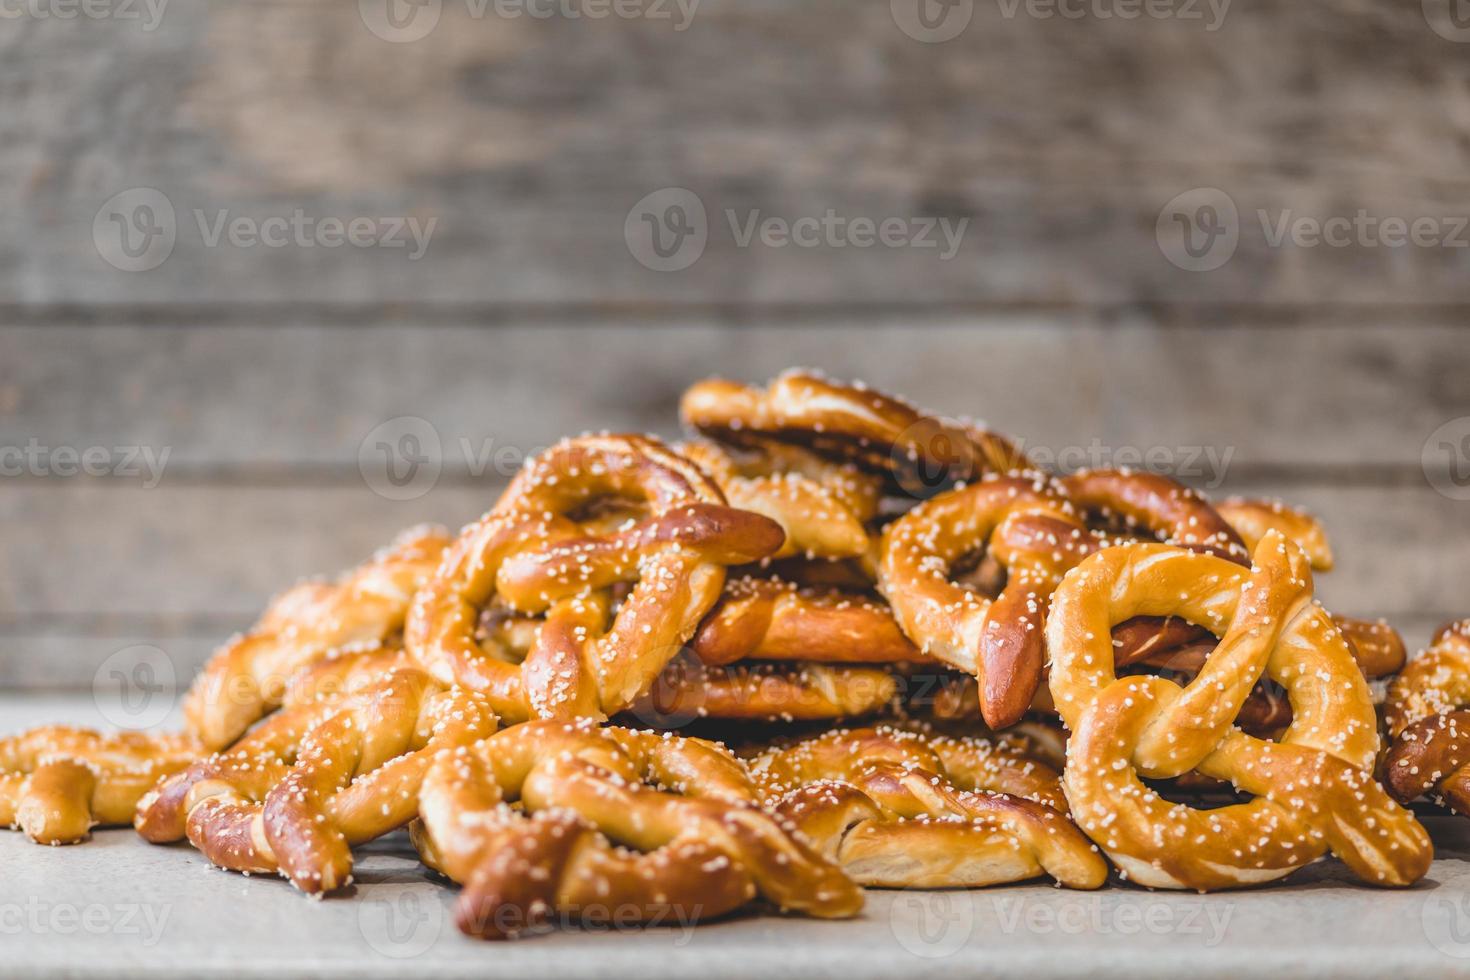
[{"x": 1318, "y": 373}]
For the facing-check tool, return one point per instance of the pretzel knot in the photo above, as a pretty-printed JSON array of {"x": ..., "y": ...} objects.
[
  {"x": 824, "y": 507},
  {"x": 849, "y": 422},
  {"x": 296, "y": 797},
  {"x": 58, "y": 782},
  {"x": 903, "y": 810},
  {"x": 1429, "y": 724},
  {"x": 591, "y": 835},
  {"x": 547, "y": 549},
  {"x": 246, "y": 679},
  {"x": 1313, "y": 789}
]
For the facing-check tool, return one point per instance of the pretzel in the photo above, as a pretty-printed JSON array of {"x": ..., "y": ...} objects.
[
  {"x": 352, "y": 775},
  {"x": 765, "y": 692},
  {"x": 901, "y": 809},
  {"x": 530, "y": 555},
  {"x": 1251, "y": 519},
  {"x": 1429, "y": 723},
  {"x": 1313, "y": 788},
  {"x": 592, "y": 835},
  {"x": 243, "y": 681},
  {"x": 998, "y": 641},
  {"x": 58, "y": 782},
  {"x": 1158, "y": 506},
  {"x": 852, "y": 423},
  {"x": 768, "y": 619},
  {"x": 824, "y": 507}
]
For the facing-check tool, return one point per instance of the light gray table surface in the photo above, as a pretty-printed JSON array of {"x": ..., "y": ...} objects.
[{"x": 120, "y": 907}]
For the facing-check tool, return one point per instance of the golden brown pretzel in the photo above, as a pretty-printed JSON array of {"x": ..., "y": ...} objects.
[
  {"x": 1313, "y": 787},
  {"x": 824, "y": 507},
  {"x": 58, "y": 782},
  {"x": 998, "y": 641},
  {"x": 246, "y": 679},
  {"x": 1430, "y": 727},
  {"x": 849, "y": 422},
  {"x": 763, "y": 691},
  {"x": 1251, "y": 519},
  {"x": 1132, "y": 501},
  {"x": 768, "y": 619},
  {"x": 532, "y": 555},
  {"x": 900, "y": 809},
  {"x": 305, "y": 793},
  {"x": 592, "y": 835}
]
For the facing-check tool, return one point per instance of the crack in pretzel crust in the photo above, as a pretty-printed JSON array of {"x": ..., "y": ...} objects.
[
  {"x": 854, "y": 423},
  {"x": 1313, "y": 788},
  {"x": 1429, "y": 723},
  {"x": 58, "y": 782},
  {"x": 246, "y": 679},
  {"x": 610, "y": 818},
  {"x": 298, "y": 793},
  {"x": 899, "y": 808},
  {"x": 532, "y": 555}
]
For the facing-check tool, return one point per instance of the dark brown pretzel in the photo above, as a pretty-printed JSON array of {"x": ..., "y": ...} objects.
[
  {"x": 849, "y": 422},
  {"x": 592, "y": 834},
  {"x": 532, "y": 555},
  {"x": 1427, "y": 717},
  {"x": 765, "y": 692}
]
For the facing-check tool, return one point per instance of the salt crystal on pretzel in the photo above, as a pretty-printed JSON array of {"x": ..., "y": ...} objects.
[{"x": 1430, "y": 724}]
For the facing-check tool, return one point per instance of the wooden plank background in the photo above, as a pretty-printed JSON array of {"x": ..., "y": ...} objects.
[{"x": 1314, "y": 373}]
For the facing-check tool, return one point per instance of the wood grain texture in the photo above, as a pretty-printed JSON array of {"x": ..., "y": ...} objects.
[{"x": 530, "y": 140}]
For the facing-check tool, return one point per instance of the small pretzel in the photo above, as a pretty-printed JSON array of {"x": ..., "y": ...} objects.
[
  {"x": 531, "y": 555},
  {"x": 849, "y": 422},
  {"x": 767, "y": 692},
  {"x": 900, "y": 809},
  {"x": 591, "y": 835},
  {"x": 58, "y": 782},
  {"x": 1313, "y": 788},
  {"x": 1251, "y": 519},
  {"x": 245, "y": 680},
  {"x": 998, "y": 641},
  {"x": 823, "y": 507},
  {"x": 1429, "y": 723},
  {"x": 351, "y": 776},
  {"x": 767, "y": 619}
]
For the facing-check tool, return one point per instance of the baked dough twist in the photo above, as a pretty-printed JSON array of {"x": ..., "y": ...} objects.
[
  {"x": 532, "y": 555},
  {"x": 58, "y": 782},
  {"x": 920, "y": 453},
  {"x": 308, "y": 789},
  {"x": 901, "y": 809},
  {"x": 1313, "y": 788},
  {"x": 1429, "y": 723},
  {"x": 610, "y": 819},
  {"x": 765, "y": 691},
  {"x": 246, "y": 679}
]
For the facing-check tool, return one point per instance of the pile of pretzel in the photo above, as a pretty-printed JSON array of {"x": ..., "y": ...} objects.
[{"x": 829, "y": 642}]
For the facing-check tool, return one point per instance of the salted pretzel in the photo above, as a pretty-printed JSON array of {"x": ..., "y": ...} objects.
[
  {"x": 1313, "y": 787},
  {"x": 901, "y": 809},
  {"x": 1151, "y": 505},
  {"x": 245, "y": 679},
  {"x": 823, "y": 506},
  {"x": 849, "y": 422},
  {"x": 301, "y": 798},
  {"x": 769, "y": 619},
  {"x": 1252, "y": 518},
  {"x": 1429, "y": 722},
  {"x": 610, "y": 819},
  {"x": 58, "y": 782},
  {"x": 765, "y": 691},
  {"x": 531, "y": 555}
]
